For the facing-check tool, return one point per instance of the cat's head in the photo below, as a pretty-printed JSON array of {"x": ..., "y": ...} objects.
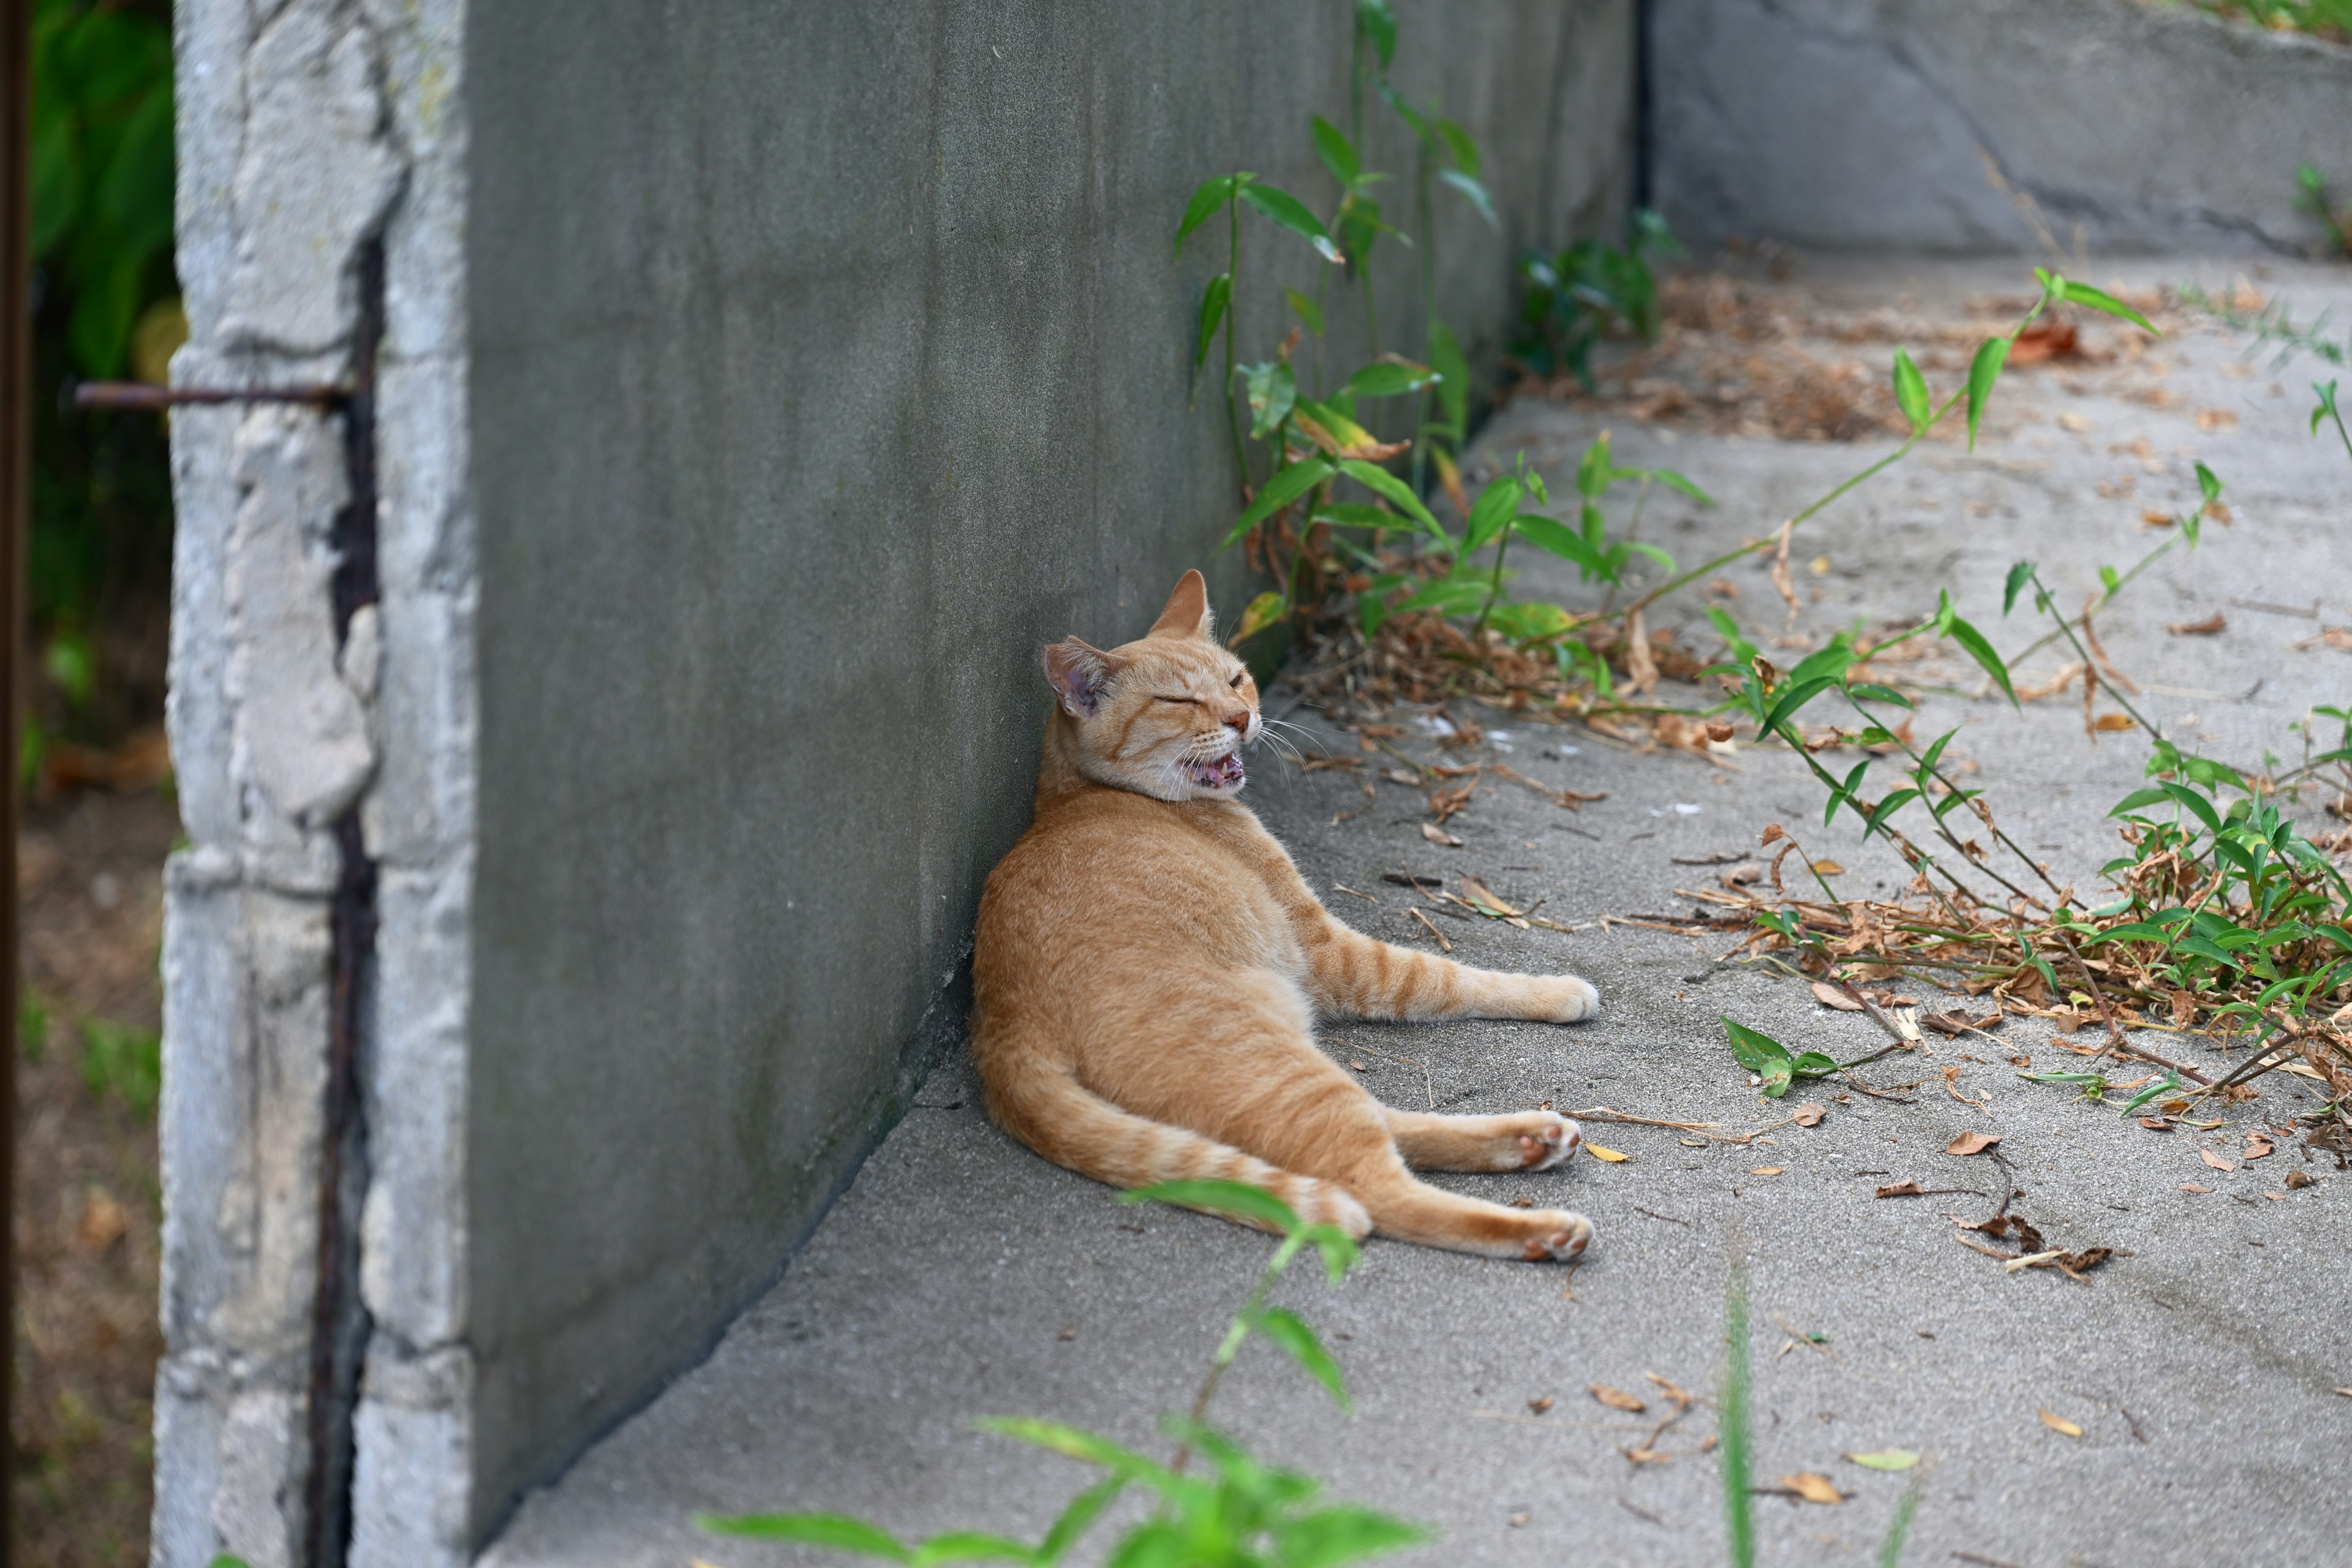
[{"x": 1166, "y": 715}]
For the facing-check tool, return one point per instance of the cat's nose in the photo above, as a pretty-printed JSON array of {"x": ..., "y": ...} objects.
[{"x": 1241, "y": 723}]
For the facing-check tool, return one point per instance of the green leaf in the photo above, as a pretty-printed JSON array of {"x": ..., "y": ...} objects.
[
  {"x": 1345, "y": 1533},
  {"x": 1812, "y": 1064},
  {"x": 1492, "y": 512},
  {"x": 1075, "y": 1442},
  {"x": 838, "y": 1531},
  {"x": 1287, "y": 1332},
  {"x": 1871, "y": 691},
  {"x": 1792, "y": 696},
  {"x": 1474, "y": 193},
  {"x": 2019, "y": 576},
  {"x": 1595, "y": 469},
  {"x": 1911, "y": 392},
  {"x": 1886, "y": 808},
  {"x": 1674, "y": 482},
  {"x": 1272, "y": 391},
  {"x": 1887, "y": 1459},
  {"x": 1756, "y": 1051},
  {"x": 2082, "y": 294},
  {"x": 1339, "y": 154},
  {"x": 2196, "y": 804},
  {"x": 1531, "y": 621},
  {"x": 1983, "y": 370},
  {"x": 1550, "y": 534},
  {"x": 2109, "y": 580},
  {"x": 1394, "y": 490},
  {"x": 1261, "y": 613},
  {"x": 1452, "y": 368},
  {"x": 1077, "y": 1519},
  {"x": 1214, "y": 301},
  {"x": 1378, "y": 23},
  {"x": 1306, "y": 310},
  {"x": 2210, "y": 484},
  {"x": 1973, "y": 640},
  {"x": 1236, "y": 1198},
  {"x": 1286, "y": 486},
  {"x": 969, "y": 1546},
  {"x": 1829, "y": 663},
  {"x": 1390, "y": 378},
  {"x": 1290, "y": 213},
  {"x": 1338, "y": 1249},
  {"x": 1212, "y": 194},
  {"x": 1459, "y": 143}
]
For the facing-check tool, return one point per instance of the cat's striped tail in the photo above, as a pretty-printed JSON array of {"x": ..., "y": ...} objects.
[{"x": 1047, "y": 1108}]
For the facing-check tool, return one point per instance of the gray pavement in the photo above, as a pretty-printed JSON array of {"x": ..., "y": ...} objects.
[{"x": 960, "y": 1275}]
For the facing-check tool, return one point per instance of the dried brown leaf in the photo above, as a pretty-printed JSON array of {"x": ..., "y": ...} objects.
[
  {"x": 2211, "y": 625},
  {"x": 1812, "y": 1488},
  {"x": 1437, "y": 835},
  {"x": 1971, "y": 1143},
  {"x": 1618, "y": 1399},
  {"x": 1902, "y": 1190},
  {"x": 2215, "y": 1161},
  {"x": 1830, "y": 996},
  {"x": 1808, "y": 1115}
]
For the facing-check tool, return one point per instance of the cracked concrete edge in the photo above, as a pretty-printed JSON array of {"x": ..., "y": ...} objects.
[
  {"x": 306, "y": 129},
  {"x": 1878, "y": 125}
]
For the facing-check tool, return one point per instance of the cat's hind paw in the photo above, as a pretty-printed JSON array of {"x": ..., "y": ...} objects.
[
  {"x": 1564, "y": 1242},
  {"x": 1577, "y": 1000},
  {"x": 1551, "y": 1146}
]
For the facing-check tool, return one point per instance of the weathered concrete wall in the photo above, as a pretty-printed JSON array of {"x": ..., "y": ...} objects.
[
  {"x": 827, "y": 361},
  {"x": 323, "y": 735},
  {"x": 1869, "y": 126}
]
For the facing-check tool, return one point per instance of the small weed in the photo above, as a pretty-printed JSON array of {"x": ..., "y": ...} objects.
[
  {"x": 2311, "y": 195},
  {"x": 1570, "y": 299},
  {"x": 119, "y": 1060},
  {"x": 32, "y": 1027},
  {"x": 1241, "y": 1513},
  {"x": 2330, "y": 19}
]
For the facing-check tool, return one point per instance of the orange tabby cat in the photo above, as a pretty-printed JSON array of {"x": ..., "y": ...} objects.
[{"x": 1149, "y": 965}]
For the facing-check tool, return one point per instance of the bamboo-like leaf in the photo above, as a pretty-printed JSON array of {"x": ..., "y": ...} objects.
[
  {"x": 969, "y": 1546},
  {"x": 1290, "y": 213},
  {"x": 1214, "y": 300},
  {"x": 1338, "y": 153},
  {"x": 1983, "y": 370},
  {"x": 837, "y": 1532},
  {"x": 1307, "y": 311},
  {"x": 1550, "y": 534},
  {"x": 2082, "y": 294},
  {"x": 1460, "y": 144},
  {"x": 1973, "y": 640},
  {"x": 1286, "y": 486},
  {"x": 1676, "y": 481},
  {"x": 2019, "y": 576},
  {"x": 1474, "y": 192},
  {"x": 1273, "y": 392},
  {"x": 1261, "y": 613},
  {"x": 1394, "y": 490},
  {"x": 1344, "y": 1533},
  {"x": 1287, "y": 1332},
  {"x": 1446, "y": 358},
  {"x": 1377, "y": 23},
  {"x": 1492, "y": 512},
  {"x": 1390, "y": 378},
  {"x": 1338, "y": 1249},
  {"x": 1911, "y": 391},
  {"x": 1214, "y": 193},
  {"x": 1077, "y": 1519}
]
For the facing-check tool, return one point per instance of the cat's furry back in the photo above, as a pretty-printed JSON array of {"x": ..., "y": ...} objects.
[{"x": 1150, "y": 963}]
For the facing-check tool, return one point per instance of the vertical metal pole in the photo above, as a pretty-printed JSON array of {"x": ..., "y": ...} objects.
[{"x": 15, "y": 501}]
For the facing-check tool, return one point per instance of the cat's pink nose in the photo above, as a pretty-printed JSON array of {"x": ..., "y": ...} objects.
[{"x": 1241, "y": 723}]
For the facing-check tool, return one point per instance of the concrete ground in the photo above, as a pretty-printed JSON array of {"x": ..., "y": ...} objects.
[{"x": 961, "y": 1276}]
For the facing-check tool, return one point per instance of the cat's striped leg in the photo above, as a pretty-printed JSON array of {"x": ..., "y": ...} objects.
[
  {"x": 1046, "y": 1106},
  {"x": 1527, "y": 1140},
  {"x": 1351, "y": 974},
  {"x": 1412, "y": 1210}
]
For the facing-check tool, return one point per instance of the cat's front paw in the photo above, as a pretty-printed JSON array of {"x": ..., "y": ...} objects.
[
  {"x": 1570, "y": 999},
  {"x": 1563, "y": 1240}
]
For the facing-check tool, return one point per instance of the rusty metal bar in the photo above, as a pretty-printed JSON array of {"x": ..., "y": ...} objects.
[
  {"x": 16, "y": 513},
  {"x": 140, "y": 395}
]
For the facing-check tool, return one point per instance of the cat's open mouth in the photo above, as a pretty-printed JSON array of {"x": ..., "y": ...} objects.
[{"x": 1225, "y": 773}]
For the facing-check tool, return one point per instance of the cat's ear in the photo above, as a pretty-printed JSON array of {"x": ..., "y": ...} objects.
[
  {"x": 1079, "y": 674},
  {"x": 1187, "y": 615}
]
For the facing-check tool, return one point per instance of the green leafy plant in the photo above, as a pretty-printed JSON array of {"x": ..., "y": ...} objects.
[
  {"x": 2312, "y": 197},
  {"x": 1242, "y": 1513},
  {"x": 1570, "y": 298},
  {"x": 122, "y": 1060},
  {"x": 1773, "y": 1062},
  {"x": 2325, "y": 19}
]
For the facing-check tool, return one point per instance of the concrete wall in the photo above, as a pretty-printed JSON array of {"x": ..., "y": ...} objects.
[
  {"x": 1867, "y": 125},
  {"x": 826, "y": 362}
]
